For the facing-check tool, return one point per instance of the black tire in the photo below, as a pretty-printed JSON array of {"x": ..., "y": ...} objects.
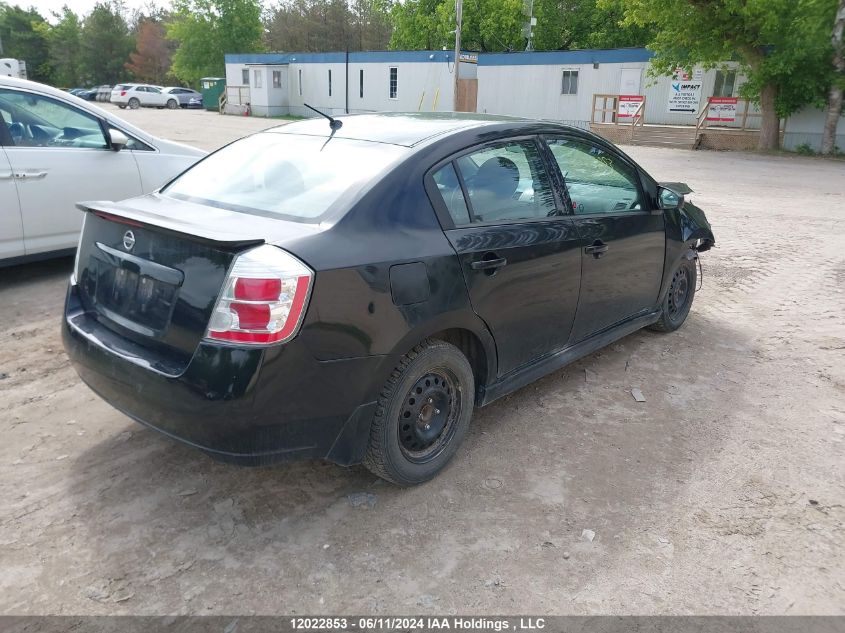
[
  {"x": 134, "y": 104},
  {"x": 679, "y": 297},
  {"x": 413, "y": 435},
  {"x": 122, "y": 107},
  {"x": 172, "y": 104}
]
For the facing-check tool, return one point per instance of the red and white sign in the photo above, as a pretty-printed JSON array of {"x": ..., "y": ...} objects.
[
  {"x": 722, "y": 109},
  {"x": 628, "y": 105}
]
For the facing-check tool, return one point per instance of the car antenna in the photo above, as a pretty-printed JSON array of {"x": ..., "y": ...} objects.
[{"x": 334, "y": 124}]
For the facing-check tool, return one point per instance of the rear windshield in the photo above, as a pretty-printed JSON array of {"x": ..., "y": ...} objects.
[{"x": 288, "y": 176}]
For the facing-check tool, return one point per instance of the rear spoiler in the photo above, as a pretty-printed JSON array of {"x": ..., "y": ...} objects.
[{"x": 220, "y": 231}]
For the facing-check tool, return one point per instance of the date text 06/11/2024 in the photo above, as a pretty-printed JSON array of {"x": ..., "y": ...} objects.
[{"x": 387, "y": 623}]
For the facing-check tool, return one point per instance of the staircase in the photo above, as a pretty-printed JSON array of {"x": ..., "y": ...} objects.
[{"x": 677, "y": 136}]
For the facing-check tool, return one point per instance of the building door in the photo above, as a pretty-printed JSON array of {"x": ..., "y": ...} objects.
[
  {"x": 467, "y": 95},
  {"x": 629, "y": 82}
]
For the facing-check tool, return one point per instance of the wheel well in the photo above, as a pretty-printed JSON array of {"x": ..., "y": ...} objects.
[{"x": 471, "y": 346}]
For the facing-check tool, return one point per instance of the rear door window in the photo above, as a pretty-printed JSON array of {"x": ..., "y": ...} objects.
[
  {"x": 507, "y": 181},
  {"x": 450, "y": 190}
]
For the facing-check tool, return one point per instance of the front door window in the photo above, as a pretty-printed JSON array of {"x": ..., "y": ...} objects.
[
  {"x": 38, "y": 121},
  {"x": 596, "y": 180}
]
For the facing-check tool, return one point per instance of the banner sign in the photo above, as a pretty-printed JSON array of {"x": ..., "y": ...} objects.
[
  {"x": 628, "y": 105},
  {"x": 684, "y": 96},
  {"x": 722, "y": 109}
]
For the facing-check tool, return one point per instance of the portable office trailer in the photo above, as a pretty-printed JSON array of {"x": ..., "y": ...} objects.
[
  {"x": 282, "y": 83},
  {"x": 560, "y": 84}
]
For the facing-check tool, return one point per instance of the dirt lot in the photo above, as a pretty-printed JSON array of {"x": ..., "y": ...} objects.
[{"x": 722, "y": 493}]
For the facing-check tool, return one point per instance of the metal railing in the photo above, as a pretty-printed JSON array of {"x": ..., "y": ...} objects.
[
  {"x": 639, "y": 118},
  {"x": 613, "y": 110}
]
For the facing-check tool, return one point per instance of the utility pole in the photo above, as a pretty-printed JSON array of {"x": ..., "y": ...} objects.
[
  {"x": 459, "y": 18},
  {"x": 528, "y": 30}
]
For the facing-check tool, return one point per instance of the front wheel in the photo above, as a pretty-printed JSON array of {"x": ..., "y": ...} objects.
[
  {"x": 134, "y": 103},
  {"x": 422, "y": 415},
  {"x": 678, "y": 300},
  {"x": 171, "y": 104}
]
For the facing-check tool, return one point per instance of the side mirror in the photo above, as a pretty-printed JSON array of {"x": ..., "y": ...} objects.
[
  {"x": 669, "y": 199},
  {"x": 117, "y": 139}
]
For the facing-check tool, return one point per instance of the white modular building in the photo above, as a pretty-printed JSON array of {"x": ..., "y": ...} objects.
[
  {"x": 560, "y": 85},
  {"x": 275, "y": 84},
  {"x": 564, "y": 86},
  {"x": 594, "y": 89}
]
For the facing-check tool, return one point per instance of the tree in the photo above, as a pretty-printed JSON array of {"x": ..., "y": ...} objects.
[
  {"x": 23, "y": 34},
  {"x": 488, "y": 25},
  {"x": 106, "y": 44},
  {"x": 206, "y": 30},
  {"x": 574, "y": 24},
  {"x": 780, "y": 45},
  {"x": 63, "y": 43},
  {"x": 834, "y": 104},
  {"x": 415, "y": 25},
  {"x": 329, "y": 25},
  {"x": 151, "y": 60},
  {"x": 498, "y": 25}
]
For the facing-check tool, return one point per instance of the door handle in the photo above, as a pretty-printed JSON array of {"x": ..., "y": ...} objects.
[
  {"x": 31, "y": 175},
  {"x": 489, "y": 264},
  {"x": 596, "y": 249}
]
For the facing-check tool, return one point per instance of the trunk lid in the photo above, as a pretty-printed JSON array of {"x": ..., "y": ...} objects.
[{"x": 151, "y": 268}]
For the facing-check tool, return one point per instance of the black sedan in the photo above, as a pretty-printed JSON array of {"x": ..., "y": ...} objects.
[{"x": 350, "y": 289}]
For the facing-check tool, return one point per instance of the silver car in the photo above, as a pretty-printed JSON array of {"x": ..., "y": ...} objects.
[{"x": 183, "y": 96}]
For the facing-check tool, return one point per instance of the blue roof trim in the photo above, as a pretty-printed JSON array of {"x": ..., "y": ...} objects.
[
  {"x": 361, "y": 57},
  {"x": 587, "y": 56}
]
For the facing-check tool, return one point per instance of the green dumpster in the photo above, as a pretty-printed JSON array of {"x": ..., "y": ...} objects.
[{"x": 212, "y": 88}]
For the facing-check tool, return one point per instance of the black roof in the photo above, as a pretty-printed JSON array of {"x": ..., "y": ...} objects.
[{"x": 397, "y": 128}]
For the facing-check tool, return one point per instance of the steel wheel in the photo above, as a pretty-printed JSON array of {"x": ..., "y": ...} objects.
[
  {"x": 422, "y": 415},
  {"x": 426, "y": 422},
  {"x": 679, "y": 292},
  {"x": 172, "y": 105},
  {"x": 134, "y": 103}
]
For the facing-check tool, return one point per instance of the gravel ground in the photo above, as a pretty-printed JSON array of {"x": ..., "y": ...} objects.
[{"x": 721, "y": 493}]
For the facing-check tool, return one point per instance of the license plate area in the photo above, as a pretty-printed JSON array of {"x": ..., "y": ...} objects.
[{"x": 134, "y": 293}]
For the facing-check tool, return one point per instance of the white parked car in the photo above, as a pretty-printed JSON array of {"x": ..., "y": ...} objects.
[
  {"x": 136, "y": 96},
  {"x": 57, "y": 150},
  {"x": 119, "y": 92}
]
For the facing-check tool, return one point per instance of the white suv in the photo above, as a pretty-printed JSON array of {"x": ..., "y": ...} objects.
[{"x": 138, "y": 95}]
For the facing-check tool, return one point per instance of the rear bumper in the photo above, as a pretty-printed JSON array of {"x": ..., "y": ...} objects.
[{"x": 246, "y": 406}]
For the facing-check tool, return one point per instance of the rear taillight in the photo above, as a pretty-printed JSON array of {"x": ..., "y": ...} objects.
[
  {"x": 122, "y": 93},
  {"x": 263, "y": 299}
]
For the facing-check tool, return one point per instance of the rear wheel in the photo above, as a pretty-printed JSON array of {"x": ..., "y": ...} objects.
[
  {"x": 679, "y": 297},
  {"x": 172, "y": 104},
  {"x": 134, "y": 103},
  {"x": 422, "y": 415},
  {"x": 121, "y": 106}
]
